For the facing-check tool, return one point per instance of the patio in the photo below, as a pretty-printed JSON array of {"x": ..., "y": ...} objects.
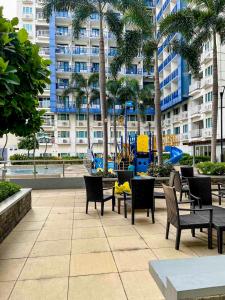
[{"x": 59, "y": 252}]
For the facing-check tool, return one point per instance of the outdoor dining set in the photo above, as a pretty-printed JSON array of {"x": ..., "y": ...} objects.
[{"x": 200, "y": 214}]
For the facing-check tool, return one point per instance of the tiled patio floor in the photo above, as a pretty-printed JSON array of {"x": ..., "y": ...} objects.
[{"x": 58, "y": 252}]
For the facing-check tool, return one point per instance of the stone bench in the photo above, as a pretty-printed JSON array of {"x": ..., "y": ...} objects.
[{"x": 190, "y": 279}]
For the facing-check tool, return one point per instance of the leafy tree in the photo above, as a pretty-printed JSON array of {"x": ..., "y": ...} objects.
[
  {"x": 82, "y": 9},
  {"x": 82, "y": 88},
  {"x": 28, "y": 143},
  {"x": 24, "y": 75},
  {"x": 206, "y": 21}
]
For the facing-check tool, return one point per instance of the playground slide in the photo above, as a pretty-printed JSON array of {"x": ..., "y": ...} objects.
[{"x": 175, "y": 154}]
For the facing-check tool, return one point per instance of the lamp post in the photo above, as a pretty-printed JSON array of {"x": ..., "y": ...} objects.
[{"x": 221, "y": 123}]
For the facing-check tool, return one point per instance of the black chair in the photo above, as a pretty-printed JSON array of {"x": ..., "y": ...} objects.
[
  {"x": 186, "y": 172},
  {"x": 179, "y": 186},
  {"x": 142, "y": 197},
  {"x": 94, "y": 192},
  {"x": 123, "y": 176},
  {"x": 191, "y": 221}
]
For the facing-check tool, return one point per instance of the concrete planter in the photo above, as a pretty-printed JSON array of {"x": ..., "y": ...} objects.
[{"x": 12, "y": 210}]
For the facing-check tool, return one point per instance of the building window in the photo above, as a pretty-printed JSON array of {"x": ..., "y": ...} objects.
[
  {"x": 63, "y": 117},
  {"x": 28, "y": 27},
  {"x": 81, "y": 134},
  {"x": 95, "y": 32},
  {"x": 81, "y": 117},
  {"x": 27, "y": 10},
  {"x": 208, "y": 97},
  {"x": 208, "y": 71},
  {"x": 208, "y": 122},
  {"x": 62, "y": 30},
  {"x": 118, "y": 134},
  {"x": 94, "y": 16},
  {"x": 176, "y": 130},
  {"x": 176, "y": 111},
  {"x": 44, "y": 102},
  {"x": 168, "y": 131},
  {"x": 149, "y": 118},
  {"x": 80, "y": 66},
  {"x": 63, "y": 134},
  {"x": 98, "y": 134},
  {"x": 185, "y": 128},
  {"x": 185, "y": 107},
  {"x": 97, "y": 117},
  {"x": 168, "y": 115},
  {"x": 132, "y": 118}
]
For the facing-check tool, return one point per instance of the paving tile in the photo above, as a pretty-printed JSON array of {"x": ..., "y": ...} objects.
[
  {"x": 22, "y": 226},
  {"x": 140, "y": 285},
  {"x": 46, "y": 267},
  {"x": 172, "y": 253},
  {"x": 62, "y": 210},
  {"x": 96, "y": 287},
  {"x": 59, "y": 216},
  {"x": 62, "y": 224},
  {"x": 15, "y": 250},
  {"x": 87, "y": 223},
  {"x": 159, "y": 241},
  {"x": 83, "y": 216},
  {"x": 114, "y": 221},
  {"x": 5, "y": 289},
  {"x": 92, "y": 263},
  {"x": 55, "y": 235},
  {"x": 120, "y": 231},
  {"x": 22, "y": 236},
  {"x": 47, "y": 289},
  {"x": 150, "y": 229},
  {"x": 49, "y": 248},
  {"x": 88, "y": 232},
  {"x": 133, "y": 260},
  {"x": 90, "y": 245},
  {"x": 10, "y": 268},
  {"x": 126, "y": 243}
]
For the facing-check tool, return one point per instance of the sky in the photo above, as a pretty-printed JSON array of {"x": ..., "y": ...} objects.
[{"x": 9, "y": 6}]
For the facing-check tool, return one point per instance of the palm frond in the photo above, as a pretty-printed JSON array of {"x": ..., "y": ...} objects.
[
  {"x": 93, "y": 79},
  {"x": 79, "y": 81},
  {"x": 49, "y": 6},
  {"x": 115, "y": 24}
]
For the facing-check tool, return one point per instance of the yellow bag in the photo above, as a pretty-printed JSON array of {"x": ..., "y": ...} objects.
[{"x": 119, "y": 189}]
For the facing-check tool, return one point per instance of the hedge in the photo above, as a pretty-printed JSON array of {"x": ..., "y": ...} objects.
[
  {"x": 187, "y": 159},
  {"x": 209, "y": 168},
  {"x": 50, "y": 160},
  {"x": 8, "y": 189}
]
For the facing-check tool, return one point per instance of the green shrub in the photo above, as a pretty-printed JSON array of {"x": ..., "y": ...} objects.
[
  {"x": 8, "y": 189},
  {"x": 52, "y": 159},
  {"x": 209, "y": 168},
  {"x": 105, "y": 175},
  {"x": 187, "y": 159},
  {"x": 163, "y": 171}
]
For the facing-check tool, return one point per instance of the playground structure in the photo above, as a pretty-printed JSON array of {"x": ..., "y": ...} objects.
[{"x": 140, "y": 152}]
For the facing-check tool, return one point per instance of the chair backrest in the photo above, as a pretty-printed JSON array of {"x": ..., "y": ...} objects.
[
  {"x": 177, "y": 181},
  {"x": 94, "y": 188},
  {"x": 201, "y": 187},
  {"x": 142, "y": 193},
  {"x": 171, "y": 179},
  {"x": 187, "y": 172},
  {"x": 124, "y": 176},
  {"x": 171, "y": 205}
]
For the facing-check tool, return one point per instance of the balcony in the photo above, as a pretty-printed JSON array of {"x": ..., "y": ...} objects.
[
  {"x": 40, "y": 17},
  {"x": 184, "y": 137},
  {"x": 44, "y": 51},
  {"x": 97, "y": 123},
  {"x": 206, "y": 82},
  {"x": 207, "y": 132},
  {"x": 42, "y": 33},
  {"x": 206, "y": 107},
  {"x": 27, "y": 17},
  {"x": 44, "y": 104},
  {"x": 65, "y": 34},
  {"x": 167, "y": 122},
  {"x": 98, "y": 141},
  {"x": 81, "y": 123},
  {"x": 195, "y": 110},
  {"x": 48, "y": 123},
  {"x": 80, "y": 50},
  {"x": 206, "y": 56},
  {"x": 194, "y": 88},
  {"x": 184, "y": 115},
  {"x": 176, "y": 118},
  {"x": 196, "y": 133},
  {"x": 62, "y": 123},
  {"x": 63, "y": 140},
  {"x": 27, "y": 1},
  {"x": 81, "y": 141}
]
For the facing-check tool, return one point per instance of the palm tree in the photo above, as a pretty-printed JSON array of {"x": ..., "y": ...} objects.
[
  {"x": 82, "y": 9},
  {"x": 206, "y": 21},
  {"x": 145, "y": 42},
  {"x": 82, "y": 88}
]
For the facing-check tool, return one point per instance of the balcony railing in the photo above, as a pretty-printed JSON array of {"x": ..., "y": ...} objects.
[
  {"x": 27, "y": 16},
  {"x": 44, "y": 51},
  {"x": 184, "y": 115},
  {"x": 206, "y": 81},
  {"x": 81, "y": 140},
  {"x": 196, "y": 133},
  {"x": 42, "y": 33},
  {"x": 48, "y": 123},
  {"x": 65, "y": 123},
  {"x": 205, "y": 107},
  {"x": 195, "y": 86},
  {"x": 195, "y": 110},
  {"x": 63, "y": 140},
  {"x": 44, "y": 104}
]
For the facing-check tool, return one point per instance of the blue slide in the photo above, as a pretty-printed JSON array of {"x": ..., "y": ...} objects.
[{"x": 175, "y": 154}]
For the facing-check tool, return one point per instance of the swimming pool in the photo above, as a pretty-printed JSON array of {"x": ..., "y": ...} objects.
[{"x": 29, "y": 170}]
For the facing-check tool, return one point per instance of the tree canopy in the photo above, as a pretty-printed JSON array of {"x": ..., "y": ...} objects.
[{"x": 23, "y": 75}]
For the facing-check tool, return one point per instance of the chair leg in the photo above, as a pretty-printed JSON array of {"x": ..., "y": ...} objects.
[
  {"x": 102, "y": 208},
  {"x": 153, "y": 215},
  {"x": 132, "y": 216},
  {"x": 220, "y": 241},
  {"x": 193, "y": 232},
  {"x": 167, "y": 230},
  {"x": 220, "y": 198},
  {"x": 210, "y": 238},
  {"x": 95, "y": 205},
  {"x": 177, "y": 246},
  {"x": 87, "y": 207},
  {"x": 113, "y": 203},
  {"x": 147, "y": 212},
  {"x": 201, "y": 230},
  {"x": 125, "y": 209},
  {"x": 119, "y": 205},
  {"x": 181, "y": 194}
]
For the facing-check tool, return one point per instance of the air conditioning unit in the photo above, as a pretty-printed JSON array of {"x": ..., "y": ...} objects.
[
  {"x": 65, "y": 123},
  {"x": 81, "y": 141},
  {"x": 100, "y": 142},
  {"x": 65, "y": 141},
  {"x": 99, "y": 123},
  {"x": 133, "y": 124},
  {"x": 81, "y": 124}
]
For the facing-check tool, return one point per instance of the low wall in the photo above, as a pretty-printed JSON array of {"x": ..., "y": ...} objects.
[{"x": 12, "y": 210}]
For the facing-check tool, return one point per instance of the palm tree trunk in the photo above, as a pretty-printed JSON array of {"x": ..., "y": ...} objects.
[
  {"x": 215, "y": 100},
  {"x": 88, "y": 124},
  {"x": 114, "y": 129},
  {"x": 102, "y": 87},
  {"x": 3, "y": 149},
  {"x": 138, "y": 121},
  {"x": 158, "y": 112}
]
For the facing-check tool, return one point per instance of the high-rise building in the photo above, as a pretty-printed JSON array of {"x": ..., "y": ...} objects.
[{"x": 65, "y": 125}]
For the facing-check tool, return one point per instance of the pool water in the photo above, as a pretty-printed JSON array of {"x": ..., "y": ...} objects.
[{"x": 41, "y": 170}]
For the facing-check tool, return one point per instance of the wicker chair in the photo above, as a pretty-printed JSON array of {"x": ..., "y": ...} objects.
[
  {"x": 123, "y": 176},
  {"x": 189, "y": 221},
  {"x": 186, "y": 172},
  {"x": 94, "y": 192},
  {"x": 179, "y": 186},
  {"x": 142, "y": 197}
]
